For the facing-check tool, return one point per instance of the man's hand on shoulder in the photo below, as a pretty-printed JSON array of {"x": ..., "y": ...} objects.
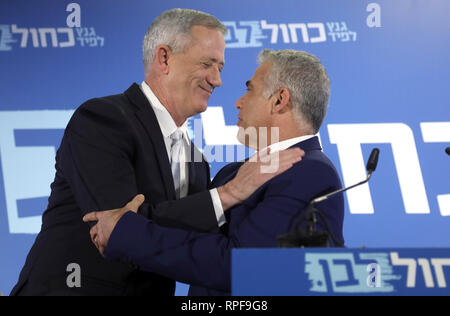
[{"x": 255, "y": 172}]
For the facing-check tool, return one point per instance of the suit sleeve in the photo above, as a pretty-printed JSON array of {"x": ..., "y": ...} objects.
[
  {"x": 179, "y": 213},
  {"x": 204, "y": 259},
  {"x": 96, "y": 158}
]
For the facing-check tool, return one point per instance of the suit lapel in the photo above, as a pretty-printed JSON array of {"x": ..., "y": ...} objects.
[{"x": 147, "y": 117}]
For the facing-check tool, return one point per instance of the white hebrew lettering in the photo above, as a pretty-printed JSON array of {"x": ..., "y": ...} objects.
[
  {"x": 24, "y": 32},
  {"x": 273, "y": 27},
  {"x": 426, "y": 269},
  {"x": 102, "y": 40},
  {"x": 52, "y": 32},
  {"x": 345, "y": 36},
  {"x": 293, "y": 28},
  {"x": 321, "y": 28},
  {"x": 70, "y": 37},
  {"x": 343, "y": 27},
  {"x": 330, "y": 26},
  {"x": 216, "y": 132},
  {"x": 27, "y": 171},
  {"x": 79, "y": 31},
  {"x": 438, "y": 132},
  {"x": 349, "y": 137},
  {"x": 408, "y": 262},
  {"x": 334, "y": 35},
  {"x": 92, "y": 42},
  {"x": 285, "y": 33},
  {"x": 34, "y": 37},
  {"x": 438, "y": 264}
]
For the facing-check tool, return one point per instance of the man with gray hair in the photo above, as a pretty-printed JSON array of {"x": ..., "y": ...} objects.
[
  {"x": 287, "y": 95},
  {"x": 136, "y": 142}
]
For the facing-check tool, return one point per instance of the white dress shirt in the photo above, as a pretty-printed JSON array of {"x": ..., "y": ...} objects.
[
  {"x": 285, "y": 144},
  {"x": 168, "y": 126}
]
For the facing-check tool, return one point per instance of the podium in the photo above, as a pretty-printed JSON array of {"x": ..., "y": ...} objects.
[{"x": 341, "y": 271}]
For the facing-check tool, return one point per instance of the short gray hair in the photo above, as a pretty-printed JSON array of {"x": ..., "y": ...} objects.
[
  {"x": 305, "y": 78},
  {"x": 173, "y": 28}
]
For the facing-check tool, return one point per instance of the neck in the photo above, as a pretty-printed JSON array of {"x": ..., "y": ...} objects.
[
  {"x": 164, "y": 97},
  {"x": 277, "y": 134}
]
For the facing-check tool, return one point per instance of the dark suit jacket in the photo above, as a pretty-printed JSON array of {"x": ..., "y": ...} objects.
[
  {"x": 203, "y": 259},
  {"x": 112, "y": 150}
]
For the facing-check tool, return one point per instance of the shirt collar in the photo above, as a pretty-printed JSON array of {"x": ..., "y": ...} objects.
[
  {"x": 285, "y": 144},
  {"x": 165, "y": 120}
]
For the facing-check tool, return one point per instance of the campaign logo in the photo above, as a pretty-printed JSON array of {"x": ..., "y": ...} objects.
[
  {"x": 244, "y": 34},
  {"x": 377, "y": 272},
  {"x": 57, "y": 37},
  {"x": 350, "y": 273}
]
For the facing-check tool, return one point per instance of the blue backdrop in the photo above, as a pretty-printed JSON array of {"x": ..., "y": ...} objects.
[{"x": 388, "y": 62}]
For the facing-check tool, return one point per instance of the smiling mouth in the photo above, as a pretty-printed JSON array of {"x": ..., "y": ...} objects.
[{"x": 209, "y": 91}]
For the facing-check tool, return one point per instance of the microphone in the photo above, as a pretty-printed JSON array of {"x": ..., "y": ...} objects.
[
  {"x": 447, "y": 150},
  {"x": 299, "y": 238},
  {"x": 370, "y": 167}
]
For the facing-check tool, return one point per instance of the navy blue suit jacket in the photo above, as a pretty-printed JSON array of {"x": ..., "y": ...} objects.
[
  {"x": 112, "y": 149},
  {"x": 203, "y": 259}
]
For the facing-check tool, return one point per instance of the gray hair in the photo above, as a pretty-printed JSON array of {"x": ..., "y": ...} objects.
[
  {"x": 173, "y": 28},
  {"x": 305, "y": 78}
]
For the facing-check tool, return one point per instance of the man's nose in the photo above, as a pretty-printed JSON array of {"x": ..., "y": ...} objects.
[
  {"x": 214, "y": 78},
  {"x": 238, "y": 103}
]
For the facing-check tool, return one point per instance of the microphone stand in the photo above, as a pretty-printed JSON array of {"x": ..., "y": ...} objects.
[
  {"x": 308, "y": 239},
  {"x": 320, "y": 239}
]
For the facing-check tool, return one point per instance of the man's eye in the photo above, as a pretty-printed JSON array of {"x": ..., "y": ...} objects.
[{"x": 206, "y": 65}]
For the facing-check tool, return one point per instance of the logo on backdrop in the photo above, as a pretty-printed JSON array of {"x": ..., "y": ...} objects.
[
  {"x": 377, "y": 272},
  {"x": 43, "y": 37},
  {"x": 71, "y": 35},
  {"x": 244, "y": 34}
]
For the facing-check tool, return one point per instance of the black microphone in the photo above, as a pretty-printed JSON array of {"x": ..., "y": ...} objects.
[
  {"x": 299, "y": 238},
  {"x": 447, "y": 150},
  {"x": 373, "y": 160},
  {"x": 370, "y": 167}
]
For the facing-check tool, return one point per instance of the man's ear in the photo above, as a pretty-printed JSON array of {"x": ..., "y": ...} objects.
[
  {"x": 282, "y": 101},
  {"x": 162, "y": 55}
]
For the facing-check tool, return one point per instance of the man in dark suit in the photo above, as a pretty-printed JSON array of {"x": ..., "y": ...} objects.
[
  {"x": 117, "y": 146},
  {"x": 288, "y": 94}
]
